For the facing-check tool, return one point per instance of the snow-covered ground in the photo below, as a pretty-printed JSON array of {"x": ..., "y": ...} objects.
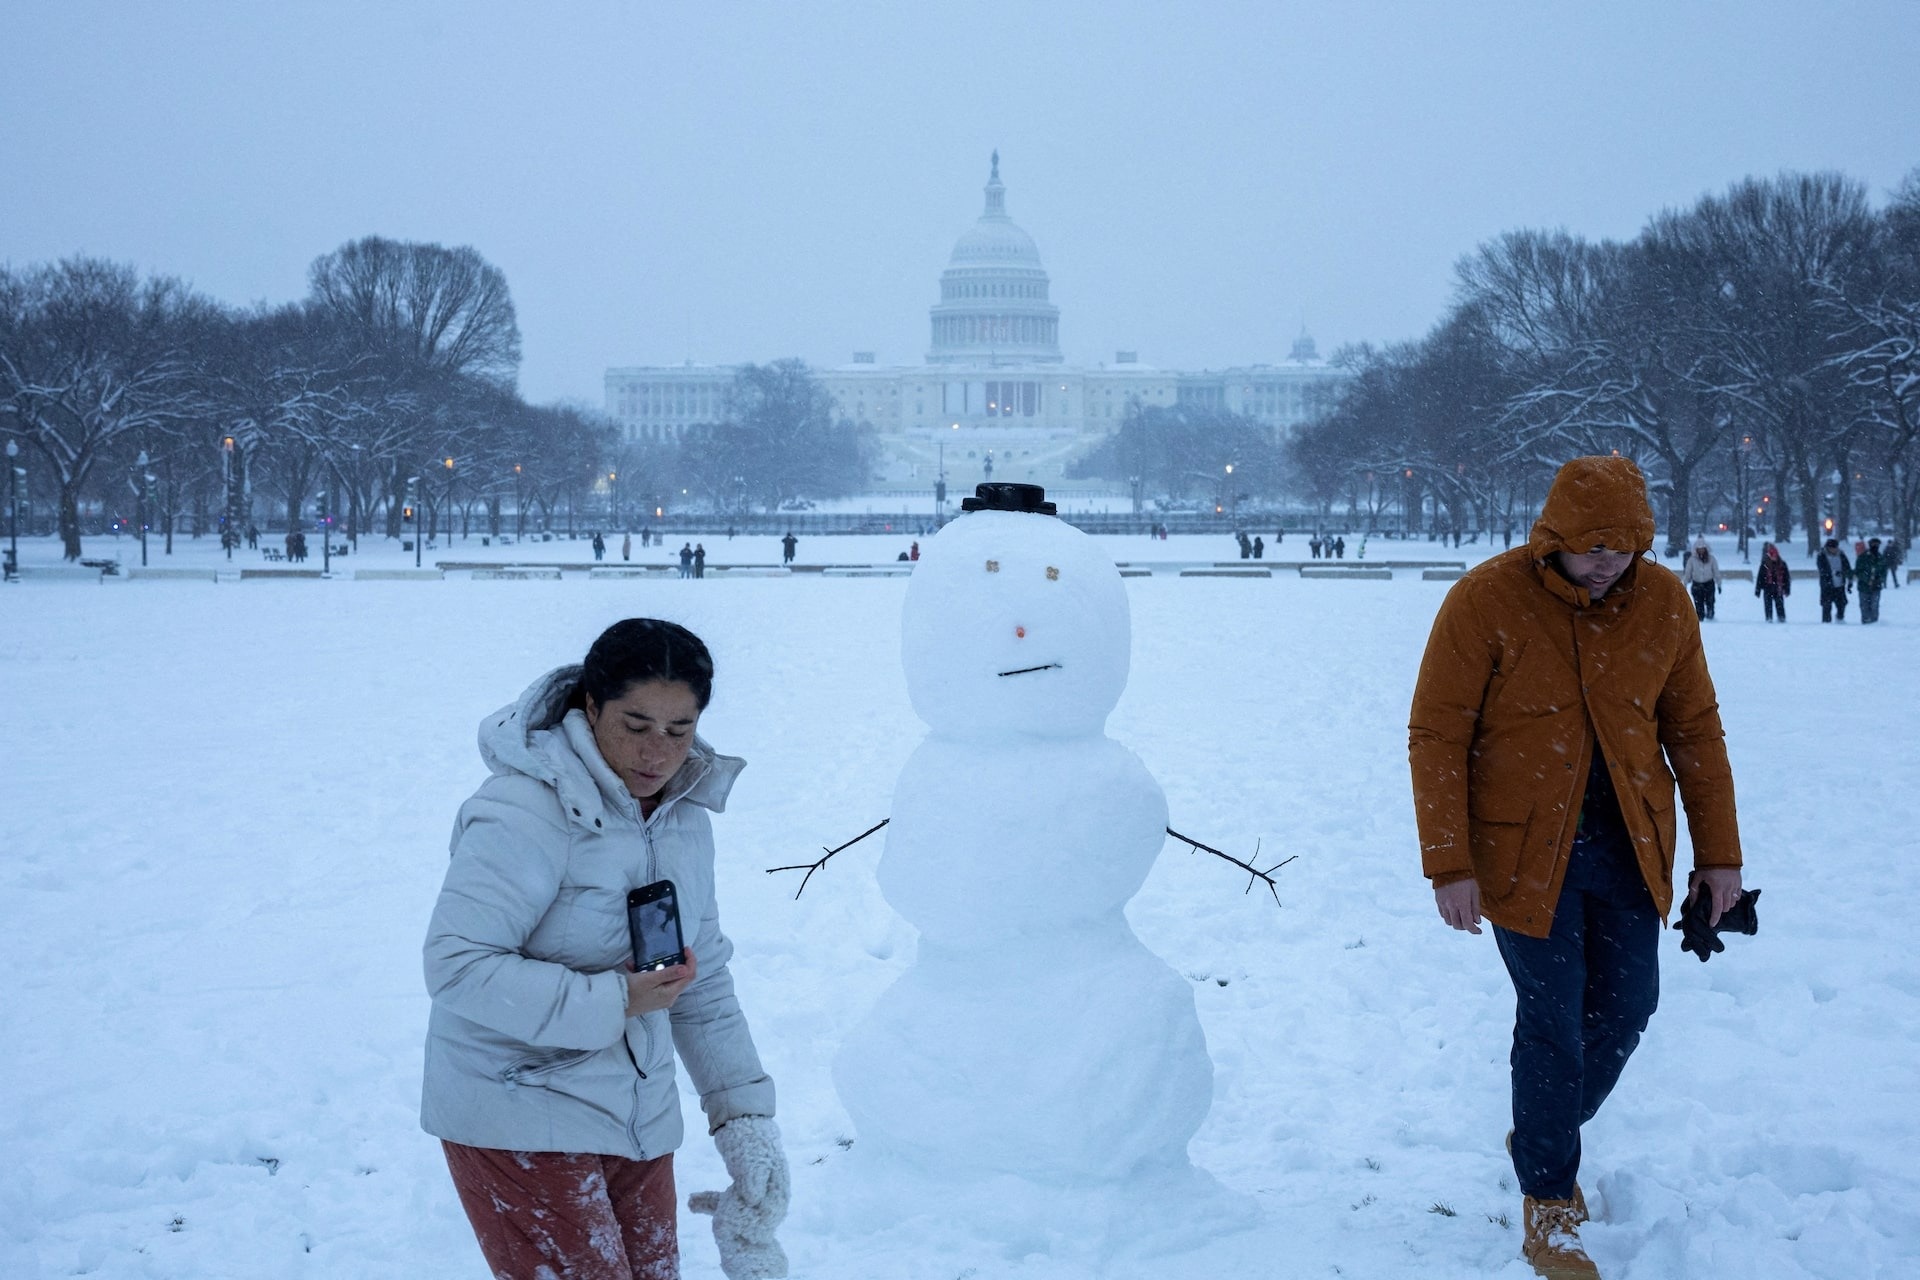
[{"x": 223, "y": 818}]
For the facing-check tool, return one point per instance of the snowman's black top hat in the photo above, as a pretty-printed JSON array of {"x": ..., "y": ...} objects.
[{"x": 1000, "y": 495}]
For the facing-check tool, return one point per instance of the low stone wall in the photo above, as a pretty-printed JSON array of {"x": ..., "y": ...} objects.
[
  {"x": 172, "y": 573},
  {"x": 1368, "y": 575},
  {"x": 260, "y": 575},
  {"x": 398, "y": 575},
  {"x": 516, "y": 573}
]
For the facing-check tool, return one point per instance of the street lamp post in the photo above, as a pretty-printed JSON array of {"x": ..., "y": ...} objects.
[
  {"x": 141, "y": 490},
  {"x": 13, "y": 510},
  {"x": 321, "y": 507},
  {"x": 448, "y": 464},
  {"x": 613, "y": 500},
  {"x": 519, "y": 507},
  {"x": 412, "y": 503}
]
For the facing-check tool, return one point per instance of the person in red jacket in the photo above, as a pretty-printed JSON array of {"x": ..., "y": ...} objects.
[{"x": 1773, "y": 583}]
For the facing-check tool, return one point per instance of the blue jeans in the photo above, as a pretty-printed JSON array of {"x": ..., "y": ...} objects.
[{"x": 1585, "y": 993}]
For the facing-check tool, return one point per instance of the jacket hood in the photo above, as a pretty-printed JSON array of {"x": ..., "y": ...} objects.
[
  {"x": 538, "y": 735},
  {"x": 1594, "y": 502}
]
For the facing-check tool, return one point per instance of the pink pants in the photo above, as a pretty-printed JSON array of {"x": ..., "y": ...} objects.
[{"x": 545, "y": 1215}]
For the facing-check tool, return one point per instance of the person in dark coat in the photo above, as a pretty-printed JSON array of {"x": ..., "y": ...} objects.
[
  {"x": 787, "y": 544},
  {"x": 599, "y": 546},
  {"x": 1313, "y": 545},
  {"x": 1340, "y": 548},
  {"x": 253, "y": 538},
  {"x": 1894, "y": 556},
  {"x": 699, "y": 560},
  {"x": 686, "y": 560},
  {"x": 1836, "y": 576},
  {"x": 1259, "y": 547},
  {"x": 1773, "y": 583},
  {"x": 1870, "y": 578}
]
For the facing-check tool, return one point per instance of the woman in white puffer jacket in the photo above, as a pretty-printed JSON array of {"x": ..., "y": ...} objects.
[{"x": 549, "y": 1061}]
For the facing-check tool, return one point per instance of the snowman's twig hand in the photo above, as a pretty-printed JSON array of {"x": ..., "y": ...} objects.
[
  {"x": 1253, "y": 872},
  {"x": 811, "y": 867}
]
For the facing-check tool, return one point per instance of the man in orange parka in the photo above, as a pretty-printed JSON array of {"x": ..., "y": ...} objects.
[{"x": 1563, "y": 691}]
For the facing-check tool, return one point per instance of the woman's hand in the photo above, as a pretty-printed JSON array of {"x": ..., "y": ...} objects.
[{"x": 659, "y": 988}]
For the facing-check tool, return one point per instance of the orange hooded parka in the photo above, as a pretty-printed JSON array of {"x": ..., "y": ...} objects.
[{"x": 1525, "y": 676}]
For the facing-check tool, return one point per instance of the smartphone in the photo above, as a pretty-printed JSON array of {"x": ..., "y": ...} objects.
[{"x": 653, "y": 921}]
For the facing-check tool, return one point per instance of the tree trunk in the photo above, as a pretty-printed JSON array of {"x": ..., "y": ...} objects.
[{"x": 70, "y": 520}]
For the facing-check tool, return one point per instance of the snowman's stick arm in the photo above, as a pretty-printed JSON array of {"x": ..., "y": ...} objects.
[
  {"x": 811, "y": 867},
  {"x": 1253, "y": 872}
]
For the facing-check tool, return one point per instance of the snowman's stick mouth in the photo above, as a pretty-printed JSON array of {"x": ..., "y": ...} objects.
[{"x": 1045, "y": 666}]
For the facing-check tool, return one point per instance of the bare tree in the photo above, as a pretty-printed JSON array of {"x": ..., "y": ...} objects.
[{"x": 91, "y": 354}]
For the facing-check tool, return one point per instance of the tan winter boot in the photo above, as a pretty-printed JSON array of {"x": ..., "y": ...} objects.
[{"x": 1553, "y": 1241}]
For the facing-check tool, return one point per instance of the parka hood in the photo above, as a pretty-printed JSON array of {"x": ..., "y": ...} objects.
[
  {"x": 1594, "y": 502},
  {"x": 540, "y": 736}
]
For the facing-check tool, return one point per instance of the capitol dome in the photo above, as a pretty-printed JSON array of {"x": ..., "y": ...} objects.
[{"x": 993, "y": 306}]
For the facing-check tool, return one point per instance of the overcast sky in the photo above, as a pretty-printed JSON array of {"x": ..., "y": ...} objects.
[{"x": 724, "y": 182}]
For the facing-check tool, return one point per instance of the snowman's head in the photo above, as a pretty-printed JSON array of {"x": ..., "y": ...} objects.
[{"x": 1015, "y": 623}]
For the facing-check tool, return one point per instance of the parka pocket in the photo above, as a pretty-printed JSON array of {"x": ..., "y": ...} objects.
[
  {"x": 1497, "y": 828},
  {"x": 1666, "y": 832},
  {"x": 536, "y": 1069}
]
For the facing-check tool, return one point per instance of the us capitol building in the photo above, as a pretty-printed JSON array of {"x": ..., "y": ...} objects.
[{"x": 994, "y": 397}]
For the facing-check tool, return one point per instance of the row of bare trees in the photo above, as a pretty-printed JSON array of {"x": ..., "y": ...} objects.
[
  {"x": 390, "y": 384},
  {"x": 1758, "y": 354}
]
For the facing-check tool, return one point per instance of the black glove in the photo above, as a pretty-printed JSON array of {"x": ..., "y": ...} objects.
[{"x": 1703, "y": 939}]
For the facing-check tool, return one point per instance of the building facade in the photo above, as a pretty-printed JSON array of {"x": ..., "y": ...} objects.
[{"x": 994, "y": 395}]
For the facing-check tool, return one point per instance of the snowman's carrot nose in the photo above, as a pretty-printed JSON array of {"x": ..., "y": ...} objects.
[{"x": 1020, "y": 633}]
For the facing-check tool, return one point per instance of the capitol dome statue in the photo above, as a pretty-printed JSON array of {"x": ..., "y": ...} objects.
[{"x": 993, "y": 307}]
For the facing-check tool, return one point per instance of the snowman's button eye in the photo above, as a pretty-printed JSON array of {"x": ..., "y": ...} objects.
[
  {"x": 993, "y": 566},
  {"x": 1053, "y": 574}
]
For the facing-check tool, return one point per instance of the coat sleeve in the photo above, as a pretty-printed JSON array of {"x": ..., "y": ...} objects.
[
  {"x": 506, "y": 869},
  {"x": 1696, "y": 745},
  {"x": 1453, "y": 679},
  {"x": 710, "y": 1031}
]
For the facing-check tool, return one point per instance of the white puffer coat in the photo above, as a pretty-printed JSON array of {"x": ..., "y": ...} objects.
[{"x": 529, "y": 1047}]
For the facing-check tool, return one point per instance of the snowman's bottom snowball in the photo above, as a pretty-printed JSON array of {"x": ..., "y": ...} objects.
[{"x": 1078, "y": 1061}]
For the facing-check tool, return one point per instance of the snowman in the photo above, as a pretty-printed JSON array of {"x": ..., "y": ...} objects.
[{"x": 1034, "y": 1035}]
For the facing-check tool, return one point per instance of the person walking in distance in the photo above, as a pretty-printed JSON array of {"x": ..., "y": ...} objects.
[
  {"x": 1701, "y": 573},
  {"x": 1563, "y": 691},
  {"x": 1836, "y": 576},
  {"x": 1773, "y": 583},
  {"x": 1870, "y": 578},
  {"x": 787, "y": 544}
]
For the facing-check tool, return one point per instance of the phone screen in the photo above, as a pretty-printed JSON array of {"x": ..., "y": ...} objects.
[{"x": 653, "y": 918}]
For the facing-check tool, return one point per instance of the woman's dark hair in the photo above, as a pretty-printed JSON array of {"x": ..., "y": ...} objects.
[{"x": 636, "y": 650}]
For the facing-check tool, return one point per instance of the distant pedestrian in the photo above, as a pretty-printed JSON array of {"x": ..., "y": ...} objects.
[
  {"x": 1894, "y": 554},
  {"x": 686, "y": 560},
  {"x": 1870, "y": 577},
  {"x": 1314, "y": 546},
  {"x": 599, "y": 546},
  {"x": 1279, "y": 536},
  {"x": 787, "y": 544},
  {"x": 1836, "y": 576},
  {"x": 1246, "y": 544},
  {"x": 1259, "y": 547},
  {"x": 292, "y": 540},
  {"x": 699, "y": 560},
  {"x": 253, "y": 538},
  {"x": 1773, "y": 583},
  {"x": 626, "y": 546},
  {"x": 1701, "y": 573},
  {"x": 1340, "y": 548},
  {"x": 913, "y": 551}
]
